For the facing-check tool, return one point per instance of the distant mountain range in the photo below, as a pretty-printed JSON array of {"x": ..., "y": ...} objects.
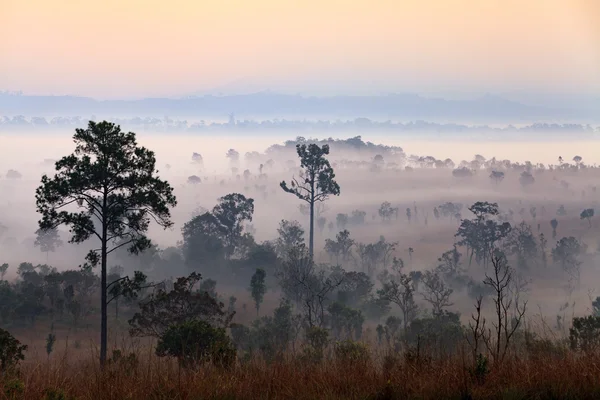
[{"x": 487, "y": 108}]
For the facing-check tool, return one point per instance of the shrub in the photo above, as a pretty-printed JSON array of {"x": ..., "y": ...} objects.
[
  {"x": 316, "y": 342},
  {"x": 585, "y": 334},
  {"x": 441, "y": 334},
  {"x": 11, "y": 351},
  {"x": 480, "y": 369},
  {"x": 349, "y": 351},
  {"x": 13, "y": 389},
  {"x": 195, "y": 342},
  {"x": 55, "y": 394}
]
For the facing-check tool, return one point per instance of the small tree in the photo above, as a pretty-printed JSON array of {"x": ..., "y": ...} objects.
[
  {"x": 50, "y": 340},
  {"x": 340, "y": 247},
  {"x": 497, "y": 176},
  {"x": 291, "y": 234},
  {"x": 585, "y": 334},
  {"x": 167, "y": 308},
  {"x": 196, "y": 342},
  {"x": 258, "y": 287},
  {"x": 526, "y": 179},
  {"x": 436, "y": 292},
  {"x": 588, "y": 213},
  {"x": 48, "y": 240},
  {"x": 386, "y": 211},
  {"x": 499, "y": 281},
  {"x": 11, "y": 351},
  {"x": 566, "y": 253},
  {"x": 3, "y": 269},
  {"x": 554, "y": 225},
  {"x": 400, "y": 292},
  {"x": 317, "y": 181}
]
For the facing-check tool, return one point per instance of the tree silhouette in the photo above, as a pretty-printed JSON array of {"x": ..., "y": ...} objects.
[
  {"x": 258, "y": 287},
  {"x": 113, "y": 184},
  {"x": 48, "y": 240},
  {"x": 554, "y": 225},
  {"x": 317, "y": 181},
  {"x": 588, "y": 213},
  {"x": 497, "y": 176}
]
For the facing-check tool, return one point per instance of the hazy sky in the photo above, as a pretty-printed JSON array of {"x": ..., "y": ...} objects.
[{"x": 134, "y": 48}]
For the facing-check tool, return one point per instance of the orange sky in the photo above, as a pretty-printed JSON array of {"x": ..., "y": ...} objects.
[{"x": 113, "y": 48}]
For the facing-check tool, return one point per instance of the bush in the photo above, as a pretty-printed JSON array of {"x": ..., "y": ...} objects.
[
  {"x": 349, "y": 351},
  {"x": 11, "y": 351},
  {"x": 441, "y": 334},
  {"x": 195, "y": 342},
  {"x": 14, "y": 389},
  {"x": 316, "y": 342},
  {"x": 585, "y": 334}
]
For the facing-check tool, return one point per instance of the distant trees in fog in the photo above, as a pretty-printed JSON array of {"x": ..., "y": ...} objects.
[{"x": 357, "y": 124}]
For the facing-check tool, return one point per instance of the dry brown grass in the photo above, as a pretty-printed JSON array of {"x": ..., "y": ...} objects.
[{"x": 529, "y": 375}]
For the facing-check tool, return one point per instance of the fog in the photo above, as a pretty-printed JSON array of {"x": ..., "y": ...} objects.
[{"x": 363, "y": 187}]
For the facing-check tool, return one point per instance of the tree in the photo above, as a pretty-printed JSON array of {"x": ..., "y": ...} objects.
[
  {"x": 231, "y": 212},
  {"x": 341, "y": 221},
  {"x": 194, "y": 180},
  {"x": 497, "y": 176},
  {"x": 309, "y": 287},
  {"x": 11, "y": 351},
  {"x": 400, "y": 292},
  {"x": 3, "y": 269},
  {"x": 462, "y": 173},
  {"x": 526, "y": 179},
  {"x": 554, "y": 225},
  {"x": 436, "y": 292},
  {"x": 291, "y": 234},
  {"x": 543, "y": 245},
  {"x": 48, "y": 240},
  {"x": 588, "y": 213},
  {"x": 521, "y": 243},
  {"x": 341, "y": 246},
  {"x": 113, "y": 184},
  {"x": 258, "y": 287},
  {"x": 196, "y": 342},
  {"x": 317, "y": 181},
  {"x": 566, "y": 253},
  {"x": 203, "y": 242},
  {"x": 234, "y": 157},
  {"x": 197, "y": 159},
  {"x": 167, "y": 308},
  {"x": 481, "y": 233},
  {"x": 386, "y": 211},
  {"x": 506, "y": 324},
  {"x": 13, "y": 174}
]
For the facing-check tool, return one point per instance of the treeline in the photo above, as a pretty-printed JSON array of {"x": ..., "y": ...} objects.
[{"x": 152, "y": 124}]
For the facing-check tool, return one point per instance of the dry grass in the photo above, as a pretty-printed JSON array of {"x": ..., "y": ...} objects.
[{"x": 529, "y": 375}]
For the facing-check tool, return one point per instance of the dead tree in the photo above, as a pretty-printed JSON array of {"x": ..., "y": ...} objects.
[{"x": 500, "y": 281}]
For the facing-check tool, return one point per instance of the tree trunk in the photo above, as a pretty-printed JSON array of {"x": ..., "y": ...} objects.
[
  {"x": 103, "y": 300},
  {"x": 311, "y": 239}
]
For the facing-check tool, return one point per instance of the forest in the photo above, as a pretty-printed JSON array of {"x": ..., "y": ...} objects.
[{"x": 317, "y": 268}]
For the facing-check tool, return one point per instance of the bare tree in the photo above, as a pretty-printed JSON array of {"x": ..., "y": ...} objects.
[
  {"x": 309, "y": 287},
  {"x": 500, "y": 281},
  {"x": 476, "y": 329},
  {"x": 400, "y": 292},
  {"x": 436, "y": 292}
]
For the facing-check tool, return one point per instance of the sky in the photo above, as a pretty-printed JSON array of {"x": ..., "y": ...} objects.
[{"x": 138, "y": 48}]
